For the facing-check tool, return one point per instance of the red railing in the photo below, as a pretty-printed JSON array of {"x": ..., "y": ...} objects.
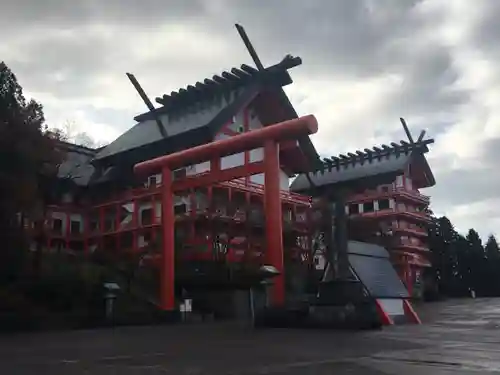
[
  {"x": 410, "y": 244},
  {"x": 414, "y": 231},
  {"x": 411, "y": 194},
  {"x": 250, "y": 187},
  {"x": 253, "y": 187},
  {"x": 392, "y": 211}
]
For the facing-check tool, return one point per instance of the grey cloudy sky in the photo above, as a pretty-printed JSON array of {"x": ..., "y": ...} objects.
[{"x": 366, "y": 63}]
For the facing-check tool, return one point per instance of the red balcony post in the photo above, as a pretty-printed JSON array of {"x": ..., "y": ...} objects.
[
  {"x": 118, "y": 207},
  {"x": 135, "y": 221},
  {"x": 246, "y": 127},
  {"x": 153, "y": 217},
  {"x": 274, "y": 224},
  {"x": 193, "y": 210},
  {"x": 167, "y": 297},
  {"x": 409, "y": 275}
]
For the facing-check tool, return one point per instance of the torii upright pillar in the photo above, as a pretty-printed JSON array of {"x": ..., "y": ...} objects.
[
  {"x": 269, "y": 138},
  {"x": 274, "y": 219}
]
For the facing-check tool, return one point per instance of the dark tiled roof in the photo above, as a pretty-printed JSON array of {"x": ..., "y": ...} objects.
[
  {"x": 212, "y": 118},
  {"x": 387, "y": 160},
  {"x": 76, "y": 165}
]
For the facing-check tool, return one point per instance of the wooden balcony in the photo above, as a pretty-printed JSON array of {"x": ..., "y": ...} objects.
[
  {"x": 392, "y": 212},
  {"x": 411, "y": 195}
]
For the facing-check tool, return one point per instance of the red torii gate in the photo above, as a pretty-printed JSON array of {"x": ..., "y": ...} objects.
[{"x": 269, "y": 138}]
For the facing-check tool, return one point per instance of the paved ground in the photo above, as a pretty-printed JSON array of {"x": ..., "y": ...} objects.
[{"x": 458, "y": 337}]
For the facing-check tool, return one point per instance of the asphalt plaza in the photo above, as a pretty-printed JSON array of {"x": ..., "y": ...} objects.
[{"x": 457, "y": 337}]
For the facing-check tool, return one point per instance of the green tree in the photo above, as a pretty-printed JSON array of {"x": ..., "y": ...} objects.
[
  {"x": 443, "y": 239},
  {"x": 491, "y": 268},
  {"x": 476, "y": 262},
  {"x": 28, "y": 157},
  {"x": 492, "y": 249}
]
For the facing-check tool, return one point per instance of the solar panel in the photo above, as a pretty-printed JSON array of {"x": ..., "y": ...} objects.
[{"x": 375, "y": 271}]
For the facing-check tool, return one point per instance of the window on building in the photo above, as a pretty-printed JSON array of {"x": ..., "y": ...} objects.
[
  {"x": 127, "y": 240},
  {"x": 57, "y": 225},
  {"x": 353, "y": 208},
  {"x": 75, "y": 227},
  {"x": 384, "y": 204},
  {"x": 93, "y": 226},
  {"x": 399, "y": 181},
  {"x": 147, "y": 237},
  {"x": 146, "y": 216},
  {"x": 180, "y": 209},
  {"x": 368, "y": 207},
  {"x": 180, "y": 173},
  {"x": 384, "y": 189},
  {"x": 152, "y": 181},
  {"x": 409, "y": 185},
  {"x": 109, "y": 223}
]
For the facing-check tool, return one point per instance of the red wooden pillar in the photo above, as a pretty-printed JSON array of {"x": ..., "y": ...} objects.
[
  {"x": 167, "y": 297},
  {"x": 274, "y": 225},
  {"x": 409, "y": 275},
  {"x": 153, "y": 217},
  {"x": 246, "y": 128},
  {"x": 135, "y": 221},
  {"x": 118, "y": 207}
]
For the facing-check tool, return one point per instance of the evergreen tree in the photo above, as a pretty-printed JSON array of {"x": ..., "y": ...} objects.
[
  {"x": 476, "y": 262},
  {"x": 492, "y": 267},
  {"x": 461, "y": 264},
  {"x": 27, "y": 157},
  {"x": 443, "y": 239},
  {"x": 464, "y": 278},
  {"x": 491, "y": 248}
]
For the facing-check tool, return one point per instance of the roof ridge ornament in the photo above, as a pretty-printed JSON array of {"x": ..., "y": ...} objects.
[
  {"x": 148, "y": 103},
  {"x": 377, "y": 153},
  {"x": 227, "y": 80}
]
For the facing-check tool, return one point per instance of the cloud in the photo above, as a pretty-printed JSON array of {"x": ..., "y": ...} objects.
[{"x": 366, "y": 63}]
